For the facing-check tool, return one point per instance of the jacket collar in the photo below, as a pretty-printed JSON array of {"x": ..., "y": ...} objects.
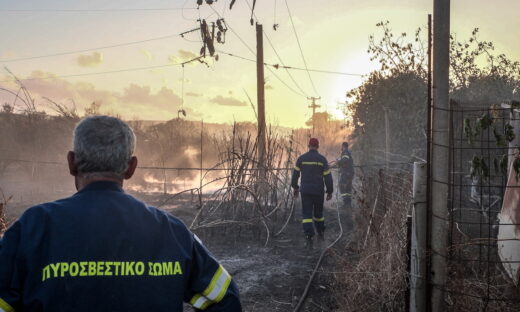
[{"x": 102, "y": 185}]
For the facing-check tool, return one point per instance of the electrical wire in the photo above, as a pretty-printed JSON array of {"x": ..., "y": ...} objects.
[
  {"x": 283, "y": 65},
  {"x": 300, "y": 47},
  {"x": 274, "y": 18},
  {"x": 182, "y": 88},
  {"x": 253, "y": 52},
  {"x": 277, "y": 66},
  {"x": 278, "y": 55},
  {"x": 105, "y": 72},
  {"x": 89, "y": 49},
  {"x": 92, "y": 10}
]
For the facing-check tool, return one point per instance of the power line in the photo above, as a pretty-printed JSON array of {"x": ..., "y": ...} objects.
[
  {"x": 106, "y": 72},
  {"x": 253, "y": 52},
  {"x": 89, "y": 49},
  {"x": 277, "y": 66},
  {"x": 299, "y": 46},
  {"x": 278, "y": 55},
  {"x": 92, "y": 10},
  {"x": 283, "y": 65}
]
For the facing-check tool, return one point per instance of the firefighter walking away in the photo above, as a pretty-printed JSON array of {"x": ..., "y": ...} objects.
[
  {"x": 315, "y": 177},
  {"x": 346, "y": 174}
]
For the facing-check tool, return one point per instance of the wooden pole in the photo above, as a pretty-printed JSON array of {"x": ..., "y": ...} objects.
[
  {"x": 418, "y": 258},
  {"x": 201, "y": 164},
  {"x": 440, "y": 152},
  {"x": 260, "y": 85},
  {"x": 313, "y": 106},
  {"x": 429, "y": 154}
]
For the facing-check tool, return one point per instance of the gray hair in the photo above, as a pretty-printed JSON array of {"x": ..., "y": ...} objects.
[{"x": 103, "y": 146}]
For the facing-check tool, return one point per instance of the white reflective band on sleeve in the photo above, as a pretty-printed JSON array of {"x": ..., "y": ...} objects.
[
  {"x": 5, "y": 307},
  {"x": 200, "y": 302},
  {"x": 218, "y": 286}
]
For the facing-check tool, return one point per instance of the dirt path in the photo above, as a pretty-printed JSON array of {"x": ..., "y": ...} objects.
[{"x": 273, "y": 277}]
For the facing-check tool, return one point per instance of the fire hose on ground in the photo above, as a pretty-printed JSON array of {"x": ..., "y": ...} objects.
[{"x": 320, "y": 259}]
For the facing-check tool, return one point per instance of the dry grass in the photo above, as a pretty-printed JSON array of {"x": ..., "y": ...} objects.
[
  {"x": 479, "y": 285},
  {"x": 377, "y": 281},
  {"x": 3, "y": 205},
  {"x": 252, "y": 197}
]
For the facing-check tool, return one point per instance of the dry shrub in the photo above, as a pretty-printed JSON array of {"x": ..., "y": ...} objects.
[
  {"x": 376, "y": 280},
  {"x": 247, "y": 201},
  {"x": 3, "y": 219},
  {"x": 479, "y": 285}
]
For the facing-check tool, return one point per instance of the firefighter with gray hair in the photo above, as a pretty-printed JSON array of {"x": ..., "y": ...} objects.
[{"x": 102, "y": 249}]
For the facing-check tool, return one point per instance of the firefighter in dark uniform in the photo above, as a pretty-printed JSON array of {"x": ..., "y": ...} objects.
[
  {"x": 346, "y": 174},
  {"x": 103, "y": 250},
  {"x": 315, "y": 176}
]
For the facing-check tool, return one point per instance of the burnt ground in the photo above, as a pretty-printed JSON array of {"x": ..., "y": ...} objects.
[{"x": 271, "y": 277}]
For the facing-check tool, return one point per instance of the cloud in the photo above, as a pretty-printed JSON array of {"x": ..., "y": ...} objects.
[
  {"x": 227, "y": 101},
  {"x": 134, "y": 100},
  {"x": 193, "y": 94},
  {"x": 90, "y": 60},
  {"x": 186, "y": 80},
  {"x": 182, "y": 56},
  {"x": 164, "y": 99},
  {"x": 7, "y": 55},
  {"x": 187, "y": 55},
  {"x": 147, "y": 53}
]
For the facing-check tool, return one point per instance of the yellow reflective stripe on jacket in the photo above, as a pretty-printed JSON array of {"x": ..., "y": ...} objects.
[
  {"x": 326, "y": 172},
  {"x": 200, "y": 302},
  {"x": 322, "y": 219},
  {"x": 297, "y": 168},
  {"x": 317, "y": 163},
  {"x": 307, "y": 221},
  {"x": 345, "y": 156},
  {"x": 5, "y": 307},
  {"x": 218, "y": 286}
]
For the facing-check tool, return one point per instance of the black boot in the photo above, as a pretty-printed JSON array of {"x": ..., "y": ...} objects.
[{"x": 308, "y": 241}]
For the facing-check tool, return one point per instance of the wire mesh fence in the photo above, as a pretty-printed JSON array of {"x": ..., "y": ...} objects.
[
  {"x": 375, "y": 277},
  {"x": 483, "y": 245}
]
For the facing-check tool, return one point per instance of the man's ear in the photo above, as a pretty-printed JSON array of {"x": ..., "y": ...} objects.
[
  {"x": 132, "y": 164},
  {"x": 72, "y": 166}
]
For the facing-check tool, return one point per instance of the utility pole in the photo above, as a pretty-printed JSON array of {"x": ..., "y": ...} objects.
[
  {"x": 440, "y": 153},
  {"x": 313, "y": 106},
  {"x": 260, "y": 92}
]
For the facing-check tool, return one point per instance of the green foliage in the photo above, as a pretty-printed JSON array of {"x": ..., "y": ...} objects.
[
  {"x": 479, "y": 168},
  {"x": 509, "y": 133},
  {"x": 478, "y": 164},
  {"x": 477, "y": 76}
]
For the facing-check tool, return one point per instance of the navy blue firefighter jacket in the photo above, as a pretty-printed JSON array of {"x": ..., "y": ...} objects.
[
  {"x": 346, "y": 165},
  {"x": 103, "y": 250},
  {"x": 315, "y": 174}
]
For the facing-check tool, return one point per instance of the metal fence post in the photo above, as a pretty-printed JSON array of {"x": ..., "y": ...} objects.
[{"x": 418, "y": 256}]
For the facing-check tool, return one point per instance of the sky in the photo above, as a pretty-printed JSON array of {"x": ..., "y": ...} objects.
[{"x": 145, "y": 81}]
